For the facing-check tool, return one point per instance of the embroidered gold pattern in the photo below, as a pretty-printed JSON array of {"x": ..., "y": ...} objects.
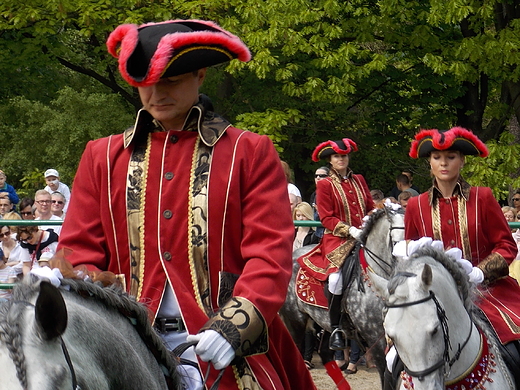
[
  {"x": 242, "y": 325},
  {"x": 136, "y": 194},
  {"x": 494, "y": 267}
]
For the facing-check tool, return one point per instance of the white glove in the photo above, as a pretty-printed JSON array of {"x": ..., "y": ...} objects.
[
  {"x": 45, "y": 273},
  {"x": 475, "y": 273},
  {"x": 405, "y": 249},
  {"x": 212, "y": 347},
  {"x": 354, "y": 232}
]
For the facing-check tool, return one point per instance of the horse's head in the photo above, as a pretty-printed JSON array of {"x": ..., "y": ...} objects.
[
  {"x": 423, "y": 299},
  {"x": 32, "y": 324},
  {"x": 383, "y": 228}
]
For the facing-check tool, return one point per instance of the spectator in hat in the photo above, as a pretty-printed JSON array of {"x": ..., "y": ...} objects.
[
  {"x": 52, "y": 178},
  {"x": 191, "y": 212},
  {"x": 9, "y": 189}
]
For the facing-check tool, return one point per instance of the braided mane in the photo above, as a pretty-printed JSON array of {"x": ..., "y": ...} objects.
[
  {"x": 455, "y": 270},
  {"x": 373, "y": 218},
  {"x": 111, "y": 297}
]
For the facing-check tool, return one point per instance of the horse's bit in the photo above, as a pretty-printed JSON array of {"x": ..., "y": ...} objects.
[{"x": 441, "y": 314}]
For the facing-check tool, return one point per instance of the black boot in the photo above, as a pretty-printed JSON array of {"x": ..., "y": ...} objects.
[{"x": 338, "y": 338}]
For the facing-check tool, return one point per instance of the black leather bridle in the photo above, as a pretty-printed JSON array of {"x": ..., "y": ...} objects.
[
  {"x": 378, "y": 259},
  {"x": 441, "y": 314}
]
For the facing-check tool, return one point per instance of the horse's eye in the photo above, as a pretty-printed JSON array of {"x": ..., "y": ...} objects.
[{"x": 434, "y": 331}]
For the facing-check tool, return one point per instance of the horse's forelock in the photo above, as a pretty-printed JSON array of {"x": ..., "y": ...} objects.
[{"x": 454, "y": 269}]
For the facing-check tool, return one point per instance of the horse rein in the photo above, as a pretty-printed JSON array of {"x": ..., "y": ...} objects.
[
  {"x": 180, "y": 349},
  {"x": 441, "y": 314}
]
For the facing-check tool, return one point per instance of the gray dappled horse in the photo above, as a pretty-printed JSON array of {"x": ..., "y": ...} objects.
[
  {"x": 383, "y": 229},
  {"x": 442, "y": 339},
  {"x": 86, "y": 338}
]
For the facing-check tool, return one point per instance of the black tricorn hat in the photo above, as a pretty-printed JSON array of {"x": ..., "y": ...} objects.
[
  {"x": 155, "y": 50},
  {"x": 456, "y": 138},
  {"x": 328, "y": 148}
]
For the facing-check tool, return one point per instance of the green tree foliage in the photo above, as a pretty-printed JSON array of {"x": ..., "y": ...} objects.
[
  {"x": 37, "y": 136},
  {"x": 375, "y": 70}
]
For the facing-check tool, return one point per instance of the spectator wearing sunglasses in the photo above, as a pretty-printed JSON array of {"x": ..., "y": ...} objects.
[
  {"x": 11, "y": 248},
  {"x": 27, "y": 208},
  {"x": 37, "y": 243},
  {"x": 515, "y": 202},
  {"x": 58, "y": 203},
  {"x": 320, "y": 174},
  {"x": 43, "y": 201}
]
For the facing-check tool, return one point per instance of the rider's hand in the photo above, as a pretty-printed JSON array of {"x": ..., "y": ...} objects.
[
  {"x": 212, "y": 347},
  {"x": 475, "y": 274},
  {"x": 354, "y": 232},
  {"x": 45, "y": 273}
]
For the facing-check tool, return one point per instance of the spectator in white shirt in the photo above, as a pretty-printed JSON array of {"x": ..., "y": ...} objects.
[{"x": 52, "y": 178}]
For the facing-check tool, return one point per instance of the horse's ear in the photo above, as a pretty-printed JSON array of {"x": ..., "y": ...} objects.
[
  {"x": 427, "y": 275},
  {"x": 50, "y": 312},
  {"x": 379, "y": 283}
]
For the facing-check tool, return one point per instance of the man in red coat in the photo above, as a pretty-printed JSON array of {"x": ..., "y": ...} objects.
[{"x": 191, "y": 213}]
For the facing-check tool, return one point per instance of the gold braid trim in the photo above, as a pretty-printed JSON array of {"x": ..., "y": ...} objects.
[
  {"x": 336, "y": 182},
  {"x": 494, "y": 267},
  {"x": 436, "y": 220},
  {"x": 341, "y": 229},
  {"x": 242, "y": 325},
  {"x": 191, "y": 260},
  {"x": 142, "y": 203},
  {"x": 463, "y": 227}
]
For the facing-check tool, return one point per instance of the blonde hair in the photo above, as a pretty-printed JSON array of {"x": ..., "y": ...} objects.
[{"x": 305, "y": 209}]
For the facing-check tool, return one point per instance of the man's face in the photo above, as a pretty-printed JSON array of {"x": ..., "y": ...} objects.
[
  {"x": 58, "y": 203},
  {"x": 2, "y": 179},
  {"x": 52, "y": 182},
  {"x": 43, "y": 203},
  {"x": 170, "y": 99},
  {"x": 5, "y": 206}
]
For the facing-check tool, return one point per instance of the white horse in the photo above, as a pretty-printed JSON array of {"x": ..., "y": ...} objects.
[
  {"x": 382, "y": 230},
  {"x": 435, "y": 328},
  {"x": 80, "y": 336}
]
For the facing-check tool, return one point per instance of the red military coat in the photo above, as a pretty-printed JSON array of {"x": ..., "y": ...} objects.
[
  {"x": 472, "y": 221},
  {"x": 249, "y": 242},
  {"x": 341, "y": 202}
]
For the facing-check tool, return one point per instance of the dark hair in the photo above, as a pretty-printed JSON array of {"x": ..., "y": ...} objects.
[
  {"x": 26, "y": 202},
  {"x": 403, "y": 179}
]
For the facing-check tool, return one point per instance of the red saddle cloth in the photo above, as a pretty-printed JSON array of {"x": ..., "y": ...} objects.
[{"x": 310, "y": 290}]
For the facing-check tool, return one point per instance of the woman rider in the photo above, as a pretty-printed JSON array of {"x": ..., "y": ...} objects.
[
  {"x": 470, "y": 219},
  {"x": 342, "y": 199}
]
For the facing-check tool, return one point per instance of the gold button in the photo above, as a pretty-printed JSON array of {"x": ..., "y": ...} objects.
[
  {"x": 167, "y": 214},
  {"x": 450, "y": 221},
  {"x": 167, "y": 256}
]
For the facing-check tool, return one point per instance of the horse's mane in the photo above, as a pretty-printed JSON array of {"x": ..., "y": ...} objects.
[
  {"x": 373, "y": 218},
  {"x": 111, "y": 297},
  {"x": 465, "y": 288}
]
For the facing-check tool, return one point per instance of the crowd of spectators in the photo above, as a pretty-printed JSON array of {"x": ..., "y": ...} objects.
[{"x": 26, "y": 247}]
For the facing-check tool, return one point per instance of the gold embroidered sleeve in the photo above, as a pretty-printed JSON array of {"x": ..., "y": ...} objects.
[
  {"x": 494, "y": 267},
  {"x": 341, "y": 230},
  {"x": 242, "y": 325}
]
